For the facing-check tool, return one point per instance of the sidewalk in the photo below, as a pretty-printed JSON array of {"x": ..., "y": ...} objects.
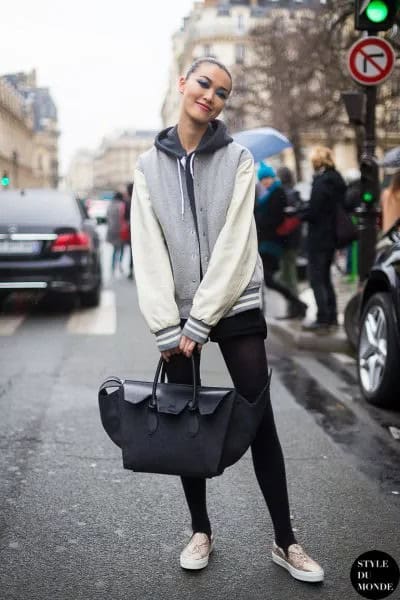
[{"x": 291, "y": 332}]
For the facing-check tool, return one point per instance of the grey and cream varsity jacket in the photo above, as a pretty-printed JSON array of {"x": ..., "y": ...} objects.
[{"x": 194, "y": 238}]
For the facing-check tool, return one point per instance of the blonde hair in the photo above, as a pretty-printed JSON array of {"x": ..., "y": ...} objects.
[{"x": 322, "y": 157}]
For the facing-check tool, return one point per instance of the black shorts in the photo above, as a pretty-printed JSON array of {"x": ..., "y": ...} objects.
[{"x": 245, "y": 323}]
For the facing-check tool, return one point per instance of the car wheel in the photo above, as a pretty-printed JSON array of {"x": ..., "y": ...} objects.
[
  {"x": 91, "y": 298},
  {"x": 378, "y": 353}
]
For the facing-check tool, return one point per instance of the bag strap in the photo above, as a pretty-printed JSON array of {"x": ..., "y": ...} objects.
[{"x": 161, "y": 364}]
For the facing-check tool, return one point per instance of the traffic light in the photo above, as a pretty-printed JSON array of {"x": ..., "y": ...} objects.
[
  {"x": 369, "y": 187},
  {"x": 5, "y": 180},
  {"x": 375, "y": 15}
]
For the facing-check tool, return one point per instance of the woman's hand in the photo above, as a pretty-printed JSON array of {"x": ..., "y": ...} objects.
[
  {"x": 166, "y": 354},
  {"x": 187, "y": 346}
]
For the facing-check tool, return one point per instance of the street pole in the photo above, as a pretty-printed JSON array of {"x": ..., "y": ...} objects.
[
  {"x": 367, "y": 214},
  {"x": 370, "y": 120},
  {"x": 15, "y": 168}
]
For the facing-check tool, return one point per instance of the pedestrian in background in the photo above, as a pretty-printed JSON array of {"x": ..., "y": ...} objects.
[
  {"x": 390, "y": 201},
  {"x": 270, "y": 214},
  {"x": 198, "y": 276},
  {"x": 328, "y": 190},
  {"x": 128, "y": 204},
  {"x": 115, "y": 225},
  {"x": 291, "y": 241}
]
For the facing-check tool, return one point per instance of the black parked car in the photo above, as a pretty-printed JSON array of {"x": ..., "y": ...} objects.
[
  {"x": 378, "y": 352},
  {"x": 48, "y": 242}
]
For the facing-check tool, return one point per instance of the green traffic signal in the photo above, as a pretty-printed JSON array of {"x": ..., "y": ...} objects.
[
  {"x": 375, "y": 15},
  {"x": 5, "y": 181},
  {"x": 377, "y": 11},
  {"x": 367, "y": 197}
]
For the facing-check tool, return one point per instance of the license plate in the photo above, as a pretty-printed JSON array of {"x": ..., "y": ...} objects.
[{"x": 19, "y": 247}]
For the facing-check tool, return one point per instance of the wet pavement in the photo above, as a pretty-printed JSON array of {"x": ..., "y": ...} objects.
[
  {"x": 362, "y": 431},
  {"x": 75, "y": 526}
]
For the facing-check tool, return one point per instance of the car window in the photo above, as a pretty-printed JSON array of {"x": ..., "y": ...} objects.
[{"x": 39, "y": 207}]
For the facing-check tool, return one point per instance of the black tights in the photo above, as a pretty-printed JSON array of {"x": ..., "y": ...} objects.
[{"x": 246, "y": 360}]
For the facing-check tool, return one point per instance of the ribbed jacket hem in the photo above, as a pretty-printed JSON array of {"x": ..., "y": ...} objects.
[
  {"x": 196, "y": 330},
  {"x": 249, "y": 300},
  {"x": 168, "y": 338}
]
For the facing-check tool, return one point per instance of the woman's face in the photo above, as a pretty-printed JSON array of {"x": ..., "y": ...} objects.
[{"x": 205, "y": 92}]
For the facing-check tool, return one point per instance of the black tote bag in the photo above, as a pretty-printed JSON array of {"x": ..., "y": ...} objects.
[{"x": 179, "y": 429}]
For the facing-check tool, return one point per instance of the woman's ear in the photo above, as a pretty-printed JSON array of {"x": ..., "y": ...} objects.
[{"x": 181, "y": 84}]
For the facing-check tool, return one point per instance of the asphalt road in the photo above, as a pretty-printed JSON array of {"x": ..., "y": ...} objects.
[{"x": 75, "y": 526}]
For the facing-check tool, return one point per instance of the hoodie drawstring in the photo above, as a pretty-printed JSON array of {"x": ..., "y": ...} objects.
[
  {"x": 191, "y": 165},
  {"x": 183, "y": 163},
  {"x": 181, "y": 188}
]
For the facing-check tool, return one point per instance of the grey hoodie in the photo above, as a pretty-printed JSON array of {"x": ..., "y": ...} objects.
[{"x": 193, "y": 235}]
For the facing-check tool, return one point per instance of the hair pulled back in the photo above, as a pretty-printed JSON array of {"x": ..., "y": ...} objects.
[{"x": 207, "y": 59}]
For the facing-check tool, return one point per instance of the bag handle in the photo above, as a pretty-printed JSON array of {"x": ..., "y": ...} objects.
[{"x": 161, "y": 364}]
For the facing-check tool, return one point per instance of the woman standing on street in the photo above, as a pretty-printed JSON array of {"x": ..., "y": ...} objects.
[
  {"x": 328, "y": 190},
  {"x": 199, "y": 275}
]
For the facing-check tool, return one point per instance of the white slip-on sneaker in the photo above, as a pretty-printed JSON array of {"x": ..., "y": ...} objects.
[
  {"x": 195, "y": 555},
  {"x": 298, "y": 563}
]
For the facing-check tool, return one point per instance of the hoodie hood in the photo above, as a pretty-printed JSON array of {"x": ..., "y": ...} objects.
[
  {"x": 214, "y": 138},
  {"x": 168, "y": 141}
]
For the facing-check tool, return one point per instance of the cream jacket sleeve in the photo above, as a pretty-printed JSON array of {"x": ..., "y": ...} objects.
[
  {"x": 232, "y": 261},
  {"x": 153, "y": 273}
]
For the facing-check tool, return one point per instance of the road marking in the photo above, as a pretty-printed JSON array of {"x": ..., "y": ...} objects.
[
  {"x": 10, "y": 324},
  {"x": 101, "y": 320},
  {"x": 345, "y": 359}
]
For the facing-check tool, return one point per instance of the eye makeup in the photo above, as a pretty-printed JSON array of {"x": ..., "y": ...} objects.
[{"x": 205, "y": 82}]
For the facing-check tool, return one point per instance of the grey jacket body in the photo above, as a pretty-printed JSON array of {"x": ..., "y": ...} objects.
[{"x": 223, "y": 248}]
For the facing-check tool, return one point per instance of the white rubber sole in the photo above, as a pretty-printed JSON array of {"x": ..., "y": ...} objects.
[
  {"x": 307, "y": 576},
  {"x": 195, "y": 564}
]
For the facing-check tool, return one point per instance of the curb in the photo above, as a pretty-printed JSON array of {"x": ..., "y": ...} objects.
[{"x": 333, "y": 342}]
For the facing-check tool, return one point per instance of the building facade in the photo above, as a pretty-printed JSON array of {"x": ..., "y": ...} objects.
[
  {"x": 16, "y": 138},
  {"x": 29, "y": 133},
  {"x": 218, "y": 29},
  {"x": 115, "y": 160},
  {"x": 221, "y": 29},
  {"x": 80, "y": 176}
]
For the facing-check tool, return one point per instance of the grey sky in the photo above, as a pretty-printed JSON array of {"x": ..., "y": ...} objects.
[{"x": 106, "y": 63}]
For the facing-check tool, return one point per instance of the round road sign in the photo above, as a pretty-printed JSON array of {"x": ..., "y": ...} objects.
[{"x": 371, "y": 60}]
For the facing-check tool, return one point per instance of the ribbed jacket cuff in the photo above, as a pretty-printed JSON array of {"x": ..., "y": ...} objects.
[
  {"x": 196, "y": 330},
  {"x": 168, "y": 338}
]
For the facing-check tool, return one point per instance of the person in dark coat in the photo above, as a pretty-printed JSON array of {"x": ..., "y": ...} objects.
[
  {"x": 292, "y": 241},
  {"x": 115, "y": 218},
  {"x": 269, "y": 214},
  {"x": 128, "y": 203},
  {"x": 328, "y": 190}
]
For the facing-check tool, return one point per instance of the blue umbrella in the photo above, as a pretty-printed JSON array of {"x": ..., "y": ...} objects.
[
  {"x": 391, "y": 158},
  {"x": 262, "y": 142}
]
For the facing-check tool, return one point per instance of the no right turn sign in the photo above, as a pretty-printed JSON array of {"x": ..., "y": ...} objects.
[{"x": 371, "y": 60}]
